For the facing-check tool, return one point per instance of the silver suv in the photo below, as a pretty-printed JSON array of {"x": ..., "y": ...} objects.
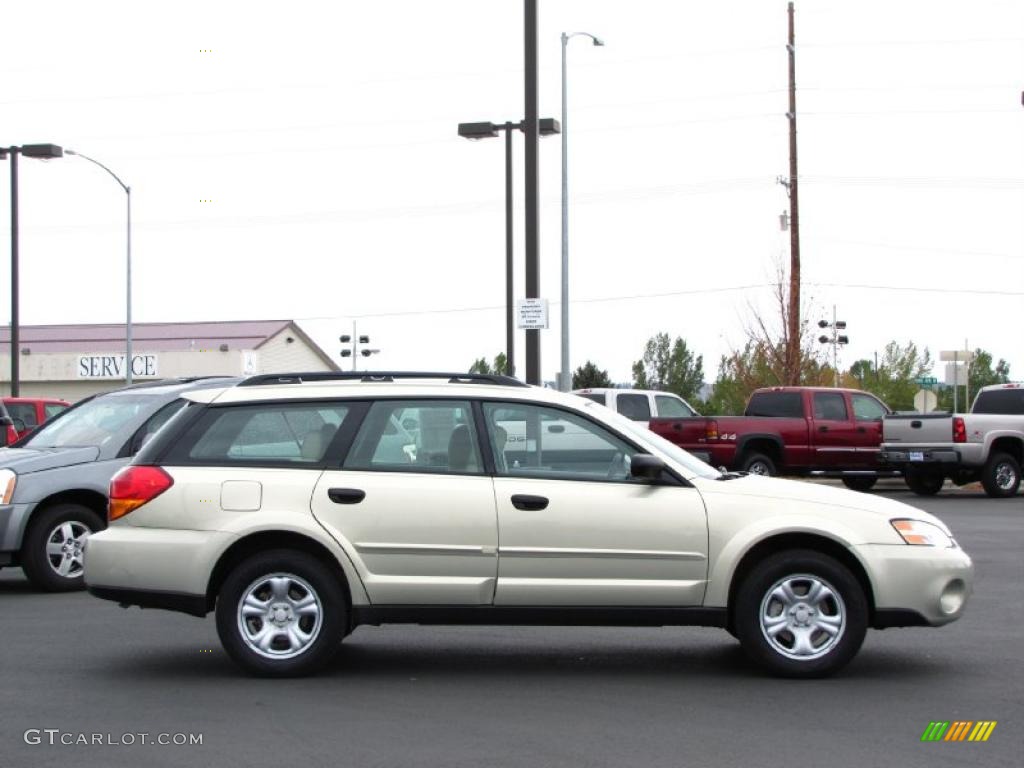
[
  {"x": 300, "y": 507},
  {"x": 53, "y": 483}
]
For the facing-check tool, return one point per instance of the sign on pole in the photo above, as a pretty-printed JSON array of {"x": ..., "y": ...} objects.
[
  {"x": 532, "y": 314},
  {"x": 956, "y": 356},
  {"x": 925, "y": 401},
  {"x": 926, "y": 381}
]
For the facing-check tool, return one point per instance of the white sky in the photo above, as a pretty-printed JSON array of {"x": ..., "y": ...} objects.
[{"x": 324, "y": 135}]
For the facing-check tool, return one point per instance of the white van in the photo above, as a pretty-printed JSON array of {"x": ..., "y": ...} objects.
[{"x": 640, "y": 405}]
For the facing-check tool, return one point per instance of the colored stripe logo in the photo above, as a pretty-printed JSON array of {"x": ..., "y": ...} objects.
[{"x": 958, "y": 730}]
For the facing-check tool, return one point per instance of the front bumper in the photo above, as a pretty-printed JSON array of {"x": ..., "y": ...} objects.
[
  {"x": 126, "y": 559},
  {"x": 927, "y": 582},
  {"x": 12, "y": 525}
]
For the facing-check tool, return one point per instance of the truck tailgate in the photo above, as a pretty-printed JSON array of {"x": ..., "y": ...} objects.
[{"x": 917, "y": 428}]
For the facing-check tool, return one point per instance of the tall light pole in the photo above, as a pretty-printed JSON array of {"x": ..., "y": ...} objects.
[
  {"x": 836, "y": 340},
  {"x": 42, "y": 152},
  {"x": 128, "y": 271},
  {"x": 485, "y": 130},
  {"x": 565, "y": 376}
]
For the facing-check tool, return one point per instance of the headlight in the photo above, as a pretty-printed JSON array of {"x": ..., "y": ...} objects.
[
  {"x": 7, "y": 482},
  {"x": 922, "y": 534}
]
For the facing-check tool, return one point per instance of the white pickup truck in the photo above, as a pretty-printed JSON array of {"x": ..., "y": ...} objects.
[
  {"x": 640, "y": 405},
  {"x": 986, "y": 444}
]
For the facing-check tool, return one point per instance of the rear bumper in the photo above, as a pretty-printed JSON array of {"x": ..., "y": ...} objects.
[
  {"x": 152, "y": 561},
  {"x": 918, "y": 585},
  {"x": 194, "y": 605},
  {"x": 902, "y": 457}
]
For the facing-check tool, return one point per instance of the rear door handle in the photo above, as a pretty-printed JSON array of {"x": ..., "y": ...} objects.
[
  {"x": 346, "y": 495},
  {"x": 556, "y": 428},
  {"x": 529, "y": 503},
  {"x": 862, "y": 429},
  {"x": 823, "y": 429}
]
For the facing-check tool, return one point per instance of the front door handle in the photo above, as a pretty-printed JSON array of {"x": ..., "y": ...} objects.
[
  {"x": 556, "y": 428},
  {"x": 529, "y": 503},
  {"x": 862, "y": 430},
  {"x": 346, "y": 495},
  {"x": 823, "y": 429}
]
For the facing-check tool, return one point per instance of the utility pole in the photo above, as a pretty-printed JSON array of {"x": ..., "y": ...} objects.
[
  {"x": 532, "y": 214},
  {"x": 793, "y": 320}
]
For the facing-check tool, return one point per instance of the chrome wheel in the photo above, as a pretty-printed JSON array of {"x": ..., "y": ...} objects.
[
  {"x": 1005, "y": 476},
  {"x": 802, "y": 617},
  {"x": 279, "y": 616},
  {"x": 759, "y": 468},
  {"x": 64, "y": 548}
]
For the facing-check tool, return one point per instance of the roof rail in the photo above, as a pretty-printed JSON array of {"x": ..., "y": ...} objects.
[
  {"x": 380, "y": 376},
  {"x": 176, "y": 380}
]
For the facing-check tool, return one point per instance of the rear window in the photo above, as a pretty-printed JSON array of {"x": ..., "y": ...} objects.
[
  {"x": 781, "y": 404},
  {"x": 1007, "y": 402}
]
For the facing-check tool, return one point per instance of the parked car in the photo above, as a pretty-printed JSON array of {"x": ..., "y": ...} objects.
[
  {"x": 53, "y": 483},
  {"x": 20, "y": 415},
  {"x": 640, "y": 405},
  {"x": 292, "y": 509},
  {"x": 790, "y": 431},
  {"x": 986, "y": 444}
]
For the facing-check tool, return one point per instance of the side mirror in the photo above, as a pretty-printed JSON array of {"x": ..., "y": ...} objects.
[{"x": 645, "y": 466}]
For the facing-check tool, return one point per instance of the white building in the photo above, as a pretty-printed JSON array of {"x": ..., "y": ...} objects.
[{"x": 75, "y": 361}]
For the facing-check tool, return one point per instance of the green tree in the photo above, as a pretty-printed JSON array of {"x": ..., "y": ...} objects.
[
  {"x": 670, "y": 367},
  {"x": 499, "y": 366},
  {"x": 894, "y": 381},
  {"x": 589, "y": 375}
]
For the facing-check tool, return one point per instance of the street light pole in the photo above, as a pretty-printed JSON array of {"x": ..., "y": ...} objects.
[
  {"x": 128, "y": 270},
  {"x": 15, "y": 345},
  {"x": 565, "y": 376},
  {"x": 42, "y": 152},
  {"x": 485, "y": 130}
]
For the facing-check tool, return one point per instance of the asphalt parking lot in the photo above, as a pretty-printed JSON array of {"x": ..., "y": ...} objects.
[{"x": 398, "y": 696}]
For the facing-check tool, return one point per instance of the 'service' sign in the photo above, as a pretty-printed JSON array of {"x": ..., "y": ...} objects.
[{"x": 113, "y": 367}]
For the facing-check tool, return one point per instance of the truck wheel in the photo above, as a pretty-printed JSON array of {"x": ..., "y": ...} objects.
[
  {"x": 281, "y": 613},
  {"x": 924, "y": 483},
  {"x": 1001, "y": 476},
  {"x": 855, "y": 483},
  {"x": 759, "y": 464},
  {"x": 801, "y": 614},
  {"x": 52, "y": 551}
]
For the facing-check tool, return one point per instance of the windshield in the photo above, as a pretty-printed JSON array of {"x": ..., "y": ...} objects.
[
  {"x": 92, "y": 423},
  {"x": 673, "y": 451}
]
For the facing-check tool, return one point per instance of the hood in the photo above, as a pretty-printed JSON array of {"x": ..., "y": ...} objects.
[
  {"x": 26, "y": 460},
  {"x": 805, "y": 492}
]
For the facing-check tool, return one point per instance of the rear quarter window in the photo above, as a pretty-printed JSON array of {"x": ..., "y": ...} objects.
[
  {"x": 776, "y": 404},
  {"x": 1007, "y": 402}
]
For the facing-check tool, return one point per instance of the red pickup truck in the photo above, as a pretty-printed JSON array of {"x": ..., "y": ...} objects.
[
  {"x": 20, "y": 415},
  {"x": 790, "y": 431}
]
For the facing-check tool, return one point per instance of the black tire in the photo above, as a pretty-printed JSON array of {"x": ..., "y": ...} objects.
[
  {"x": 1001, "y": 476},
  {"x": 924, "y": 482},
  {"x": 294, "y": 567},
  {"x": 759, "y": 464},
  {"x": 860, "y": 483},
  {"x": 824, "y": 655},
  {"x": 49, "y": 527}
]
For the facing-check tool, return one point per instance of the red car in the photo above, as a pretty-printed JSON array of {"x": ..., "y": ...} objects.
[
  {"x": 20, "y": 415},
  {"x": 790, "y": 431}
]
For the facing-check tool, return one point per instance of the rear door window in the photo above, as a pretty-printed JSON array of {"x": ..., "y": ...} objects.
[
  {"x": 830, "y": 406},
  {"x": 671, "y": 407},
  {"x": 597, "y": 397},
  {"x": 778, "y": 404},
  {"x": 634, "y": 407}
]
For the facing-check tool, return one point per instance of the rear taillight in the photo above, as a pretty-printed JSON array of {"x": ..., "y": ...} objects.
[
  {"x": 134, "y": 486},
  {"x": 711, "y": 430},
  {"x": 959, "y": 430}
]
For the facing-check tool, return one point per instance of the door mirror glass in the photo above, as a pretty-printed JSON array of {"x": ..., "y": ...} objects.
[{"x": 645, "y": 466}]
